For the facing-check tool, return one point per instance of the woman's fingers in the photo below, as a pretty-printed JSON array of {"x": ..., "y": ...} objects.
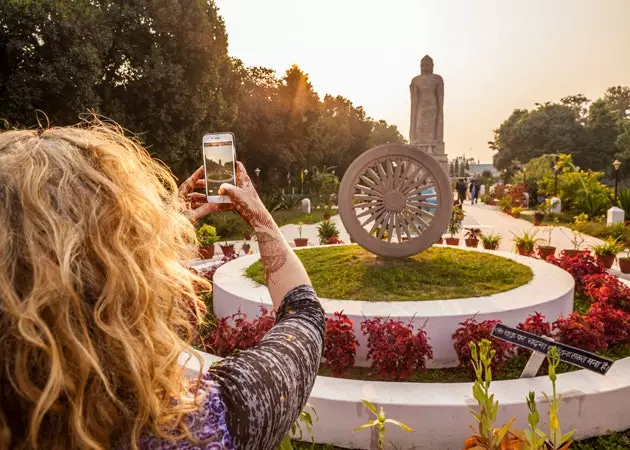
[
  {"x": 197, "y": 197},
  {"x": 190, "y": 184},
  {"x": 242, "y": 179}
]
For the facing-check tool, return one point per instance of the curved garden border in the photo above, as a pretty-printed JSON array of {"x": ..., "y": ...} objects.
[
  {"x": 439, "y": 413},
  {"x": 550, "y": 292}
]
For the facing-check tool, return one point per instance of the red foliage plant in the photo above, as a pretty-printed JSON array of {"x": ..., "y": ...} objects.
[
  {"x": 394, "y": 349},
  {"x": 607, "y": 288},
  {"x": 340, "y": 345},
  {"x": 579, "y": 267},
  {"x": 517, "y": 193},
  {"x": 585, "y": 332},
  {"x": 471, "y": 330},
  {"x": 226, "y": 338},
  {"x": 534, "y": 324},
  {"x": 334, "y": 240},
  {"x": 616, "y": 323}
]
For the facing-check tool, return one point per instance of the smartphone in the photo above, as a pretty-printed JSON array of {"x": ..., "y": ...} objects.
[{"x": 219, "y": 164}]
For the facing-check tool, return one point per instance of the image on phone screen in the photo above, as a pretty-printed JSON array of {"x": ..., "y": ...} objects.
[{"x": 218, "y": 153}]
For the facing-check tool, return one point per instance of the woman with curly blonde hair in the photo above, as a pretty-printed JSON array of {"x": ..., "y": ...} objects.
[{"x": 96, "y": 306}]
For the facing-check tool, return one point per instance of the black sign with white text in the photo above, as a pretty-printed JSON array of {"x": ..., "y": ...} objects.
[{"x": 568, "y": 354}]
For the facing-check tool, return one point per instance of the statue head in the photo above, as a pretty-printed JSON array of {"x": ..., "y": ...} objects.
[{"x": 426, "y": 65}]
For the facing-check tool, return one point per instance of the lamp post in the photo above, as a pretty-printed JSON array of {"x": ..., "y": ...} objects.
[
  {"x": 257, "y": 172},
  {"x": 616, "y": 165}
]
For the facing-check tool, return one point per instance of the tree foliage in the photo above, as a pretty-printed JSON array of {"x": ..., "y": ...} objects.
[
  {"x": 593, "y": 133},
  {"x": 161, "y": 68}
]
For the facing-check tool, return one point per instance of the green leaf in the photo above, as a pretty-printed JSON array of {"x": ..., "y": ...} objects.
[
  {"x": 370, "y": 406},
  {"x": 365, "y": 426},
  {"x": 400, "y": 424},
  {"x": 286, "y": 444},
  {"x": 567, "y": 437}
]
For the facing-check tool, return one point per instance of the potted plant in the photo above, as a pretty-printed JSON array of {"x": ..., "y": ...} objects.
[
  {"x": 624, "y": 263},
  {"x": 577, "y": 239},
  {"x": 542, "y": 210},
  {"x": 491, "y": 241},
  {"x": 545, "y": 251},
  {"x": 516, "y": 212},
  {"x": 246, "y": 248},
  {"x": 247, "y": 235},
  {"x": 207, "y": 237},
  {"x": 472, "y": 237},
  {"x": 327, "y": 215},
  {"x": 606, "y": 252},
  {"x": 227, "y": 249},
  {"x": 525, "y": 243},
  {"x": 440, "y": 241},
  {"x": 300, "y": 242},
  {"x": 326, "y": 230},
  {"x": 454, "y": 225}
]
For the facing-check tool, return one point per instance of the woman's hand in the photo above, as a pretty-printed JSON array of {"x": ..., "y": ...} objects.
[{"x": 197, "y": 205}]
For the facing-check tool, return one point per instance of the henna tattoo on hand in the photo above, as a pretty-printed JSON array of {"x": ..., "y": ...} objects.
[{"x": 273, "y": 253}]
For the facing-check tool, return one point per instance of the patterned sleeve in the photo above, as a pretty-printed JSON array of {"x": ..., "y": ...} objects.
[{"x": 265, "y": 388}]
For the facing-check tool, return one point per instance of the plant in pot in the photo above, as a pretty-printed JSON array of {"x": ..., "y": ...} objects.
[
  {"x": 207, "y": 237},
  {"x": 472, "y": 237},
  {"x": 326, "y": 230},
  {"x": 577, "y": 239},
  {"x": 300, "y": 242},
  {"x": 491, "y": 241},
  {"x": 542, "y": 210},
  {"x": 516, "y": 212},
  {"x": 227, "y": 249},
  {"x": 624, "y": 263},
  {"x": 606, "y": 252},
  {"x": 327, "y": 215},
  {"x": 545, "y": 251},
  {"x": 454, "y": 225},
  {"x": 505, "y": 204},
  {"x": 247, "y": 235},
  {"x": 525, "y": 243}
]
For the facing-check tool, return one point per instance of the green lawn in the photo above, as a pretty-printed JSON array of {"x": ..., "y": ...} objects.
[{"x": 350, "y": 272}]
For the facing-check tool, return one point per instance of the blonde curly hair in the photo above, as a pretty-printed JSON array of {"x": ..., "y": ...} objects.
[{"x": 95, "y": 305}]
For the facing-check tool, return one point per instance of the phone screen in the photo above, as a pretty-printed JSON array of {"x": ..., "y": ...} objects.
[{"x": 219, "y": 164}]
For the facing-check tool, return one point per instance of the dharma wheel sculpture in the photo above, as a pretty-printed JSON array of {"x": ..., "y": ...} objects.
[{"x": 395, "y": 200}]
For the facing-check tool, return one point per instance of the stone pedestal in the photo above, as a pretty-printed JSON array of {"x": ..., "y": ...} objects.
[
  {"x": 556, "y": 205},
  {"x": 305, "y": 206},
  {"x": 437, "y": 151},
  {"x": 614, "y": 216}
]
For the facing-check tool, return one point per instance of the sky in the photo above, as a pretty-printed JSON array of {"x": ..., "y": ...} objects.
[{"x": 494, "y": 55}]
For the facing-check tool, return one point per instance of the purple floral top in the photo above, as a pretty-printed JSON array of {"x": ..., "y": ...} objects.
[{"x": 253, "y": 398}]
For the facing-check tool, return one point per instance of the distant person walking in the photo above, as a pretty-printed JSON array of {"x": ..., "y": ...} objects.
[
  {"x": 473, "y": 192},
  {"x": 461, "y": 191}
]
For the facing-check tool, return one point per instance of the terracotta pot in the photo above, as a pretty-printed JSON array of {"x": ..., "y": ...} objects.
[
  {"x": 538, "y": 216},
  {"x": 206, "y": 252},
  {"x": 571, "y": 253},
  {"x": 228, "y": 250},
  {"x": 300, "y": 242},
  {"x": 472, "y": 242},
  {"x": 516, "y": 215},
  {"x": 606, "y": 260},
  {"x": 247, "y": 235},
  {"x": 440, "y": 241},
  {"x": 522, "y": 252},
  {"x": 246, "y": 248},
  {"x": 452, "y": 241},
  {"x": 536, "y": 223},
  {"x": 546, "y": 251},
  {"x": 624, "y": 265},
  {"x": 490, "y": 246}
]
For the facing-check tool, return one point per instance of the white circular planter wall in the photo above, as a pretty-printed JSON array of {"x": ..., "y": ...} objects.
[
  {"x": 550, "y": 292},
  {"x": 439, "y": 413}
]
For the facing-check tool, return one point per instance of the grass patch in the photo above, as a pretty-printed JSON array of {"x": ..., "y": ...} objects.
[{"x": 350, "y": 272}]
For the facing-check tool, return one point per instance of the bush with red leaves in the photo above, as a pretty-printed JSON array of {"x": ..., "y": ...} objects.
[
  {"x": 579, "y": 267},
  {"x": 616, "y": 323},
  {"x": 607, "y": 288},
  {"x": 535, "y": 324},
  {"x": 334, "y": 240},
  {"x": 226, "y": 338},
  {"x": 340, "y": 345},
  {"x": 394, "y": 349},
  {"x": 579, "y": 331},
  {"x": 471, "y": 330}
]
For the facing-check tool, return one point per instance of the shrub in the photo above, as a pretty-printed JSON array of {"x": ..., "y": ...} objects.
[
  {"x": 326, "y": 230},
  {"x": 472, "y": 331},
  {"x": 340, "y": 345},
  {"x": 579, "y": 331},
  {"x": 207, "y": 235},
  {"x": 393, "y": 348},
  {"x": 606, "y": 288},
  {"x": 579, "y": 267},
  {"x": 226, "y": 339},
  {"x": 534, "y": 324},
  {"x": 616, "y": 323},
  {"x": 334, "y": 240}
]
